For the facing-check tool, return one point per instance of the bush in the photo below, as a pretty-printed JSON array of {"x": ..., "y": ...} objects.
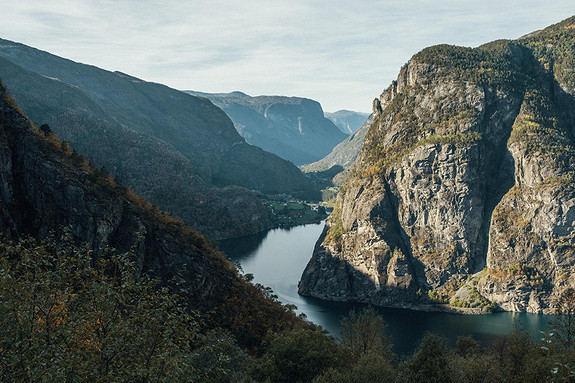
[
  {"x": 299, "y": 356},
  {"x": 365, "y": 333},
  {"x": 62, "y": 319}
]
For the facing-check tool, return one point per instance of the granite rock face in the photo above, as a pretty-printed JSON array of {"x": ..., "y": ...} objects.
[{"x": 464, "y": 181}]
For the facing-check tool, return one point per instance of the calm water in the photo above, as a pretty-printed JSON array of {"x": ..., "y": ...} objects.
[{"x": 277, "y": 259}]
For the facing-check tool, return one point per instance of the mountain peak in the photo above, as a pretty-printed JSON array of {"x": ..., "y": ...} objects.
[{"x": 463, "y": 191}]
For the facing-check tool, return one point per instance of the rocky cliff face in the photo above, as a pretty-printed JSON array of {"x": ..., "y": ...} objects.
[
  {"x": 294, "y": 128},
  {"x": 463, "y": 192},
  {"x": 178, "y": 151}
]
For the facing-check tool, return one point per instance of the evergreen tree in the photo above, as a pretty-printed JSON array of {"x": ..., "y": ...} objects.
[{"x": 45, "y": 128}]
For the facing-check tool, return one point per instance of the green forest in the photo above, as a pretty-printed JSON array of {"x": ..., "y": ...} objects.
[{"x": 68, "y": 317}]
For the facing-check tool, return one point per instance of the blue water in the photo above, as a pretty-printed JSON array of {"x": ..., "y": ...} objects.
[{"x": 278, "y": 257}]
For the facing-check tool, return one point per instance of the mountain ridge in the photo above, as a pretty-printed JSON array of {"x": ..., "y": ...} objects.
[
  {"x": 179, "y": 151},
  {"x": 348, "y": 121},
  {"x": 49, "y": 190}
]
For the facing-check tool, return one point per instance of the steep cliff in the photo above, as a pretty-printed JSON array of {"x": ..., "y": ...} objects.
[
  {"x": 463, "y": 192},
  {"x": 45, "y": 189},
  {"x": 178, "y": 151},
  {"x": 294, "y": 128}
]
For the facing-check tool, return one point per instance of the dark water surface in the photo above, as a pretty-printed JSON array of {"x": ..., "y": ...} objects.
[{"x": 278, "y": 257}]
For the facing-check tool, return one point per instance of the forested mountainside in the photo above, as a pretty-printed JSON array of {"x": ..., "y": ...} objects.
[
  {"x": 178, "y": 151},
  {"x": 347, "y": 121},
  {"x": 50, "y": 191},
  {"x": 463, "y": 192},
  {"x": 294, "y": 128}
]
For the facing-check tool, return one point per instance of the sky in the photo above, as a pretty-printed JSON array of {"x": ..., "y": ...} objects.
[{"x": 340, "y": 53}]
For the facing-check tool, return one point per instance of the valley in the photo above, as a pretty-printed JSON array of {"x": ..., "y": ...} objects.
[
  {"x": 150, "y": 234},
  {"x": 291, "y": 127},
  {"x": 178, "y": 151}
]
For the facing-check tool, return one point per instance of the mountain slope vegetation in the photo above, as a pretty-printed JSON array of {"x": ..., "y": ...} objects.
[{"x": 49, "y": 193}]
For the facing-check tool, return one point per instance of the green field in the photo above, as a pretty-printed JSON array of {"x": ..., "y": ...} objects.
[{"x": 292, "y": 213}]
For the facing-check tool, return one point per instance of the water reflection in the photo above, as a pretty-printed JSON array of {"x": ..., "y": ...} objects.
[
  {"x": 242, "y": 248},
  {"x": 277, "y": 259}
]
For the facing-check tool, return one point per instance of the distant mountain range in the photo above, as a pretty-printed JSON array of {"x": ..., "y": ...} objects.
[
  {"x": 294, "y": 128},
  {"x": 344, "y": 154},
  {"x": 348, "y": 121},
  {"x": 178, "y": 151}
]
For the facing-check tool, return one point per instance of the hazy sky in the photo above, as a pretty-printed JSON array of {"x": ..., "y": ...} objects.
[{"x": 340, "y": 53}]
